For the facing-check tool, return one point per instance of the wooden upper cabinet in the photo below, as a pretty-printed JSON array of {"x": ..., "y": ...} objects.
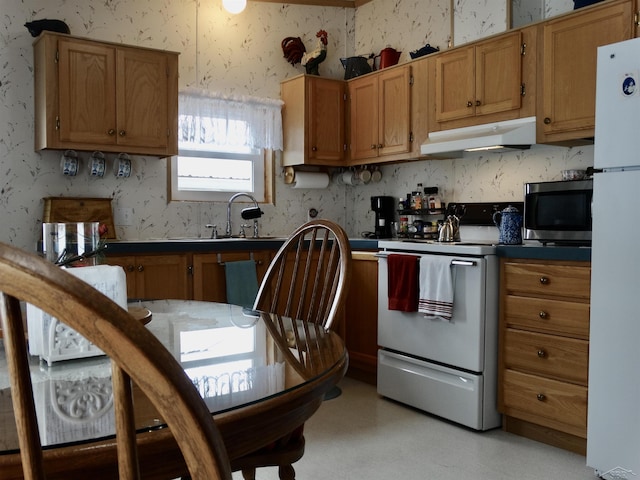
[
  {"x": 380, "y": 114},
  {"x": 566, "y": 107},
  {"x": 101, "y": 96},
  {"x": 313, "y": 121},
  {"x": 480, "y": 79}
]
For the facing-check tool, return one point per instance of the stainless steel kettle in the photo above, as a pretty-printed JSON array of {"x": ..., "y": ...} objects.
[{"x": 450, "y": 230}]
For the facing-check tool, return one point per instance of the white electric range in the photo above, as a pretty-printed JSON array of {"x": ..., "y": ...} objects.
[{"x": 446, "y": 368}]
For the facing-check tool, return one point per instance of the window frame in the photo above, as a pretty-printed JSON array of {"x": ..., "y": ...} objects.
[{"x": 263, "y": 178}]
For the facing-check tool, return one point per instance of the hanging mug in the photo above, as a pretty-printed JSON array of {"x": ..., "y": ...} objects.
[
  {"x": 97, "y": 164},
  {"x": 123, "y": 166},
  {"x": 69, "y": 163}
]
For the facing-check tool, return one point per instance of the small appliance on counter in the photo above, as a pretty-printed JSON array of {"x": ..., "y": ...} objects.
[{"x": 384, "y": 208}]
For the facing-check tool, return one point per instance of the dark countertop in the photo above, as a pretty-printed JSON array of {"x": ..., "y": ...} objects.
[
  {"x": 204, "y": 245},
  {"x": 537, "y": 251}
]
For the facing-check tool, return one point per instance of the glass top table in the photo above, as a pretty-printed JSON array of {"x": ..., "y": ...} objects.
[{"x": 251, "y": 368}]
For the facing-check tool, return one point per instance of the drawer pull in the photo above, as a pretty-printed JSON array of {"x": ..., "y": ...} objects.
[
  {"x": 543, "y": 314},
  {"x": 541, "y": 397},
  {"x": 542, "y": 353},
  {"x": 544, "y": 280}
]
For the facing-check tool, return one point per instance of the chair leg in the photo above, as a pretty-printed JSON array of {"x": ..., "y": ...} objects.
[
  {"x": 249, "y": 474},
  {"x": 286, "y": 472}
]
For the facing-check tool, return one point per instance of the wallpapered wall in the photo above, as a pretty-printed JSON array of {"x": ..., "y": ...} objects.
[{"x": 234, "y": 54}]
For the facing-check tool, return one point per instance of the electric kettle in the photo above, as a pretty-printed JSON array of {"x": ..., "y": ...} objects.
[{"x": 509, "y": 223}]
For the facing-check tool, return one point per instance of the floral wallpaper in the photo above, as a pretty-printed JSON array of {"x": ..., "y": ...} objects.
[{"x": 235, "y": 54}]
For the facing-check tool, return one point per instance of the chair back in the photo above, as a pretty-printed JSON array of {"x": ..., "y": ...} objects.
[
  {"x": 309, "y": 275},
  {"x": 136, "y": 355}
]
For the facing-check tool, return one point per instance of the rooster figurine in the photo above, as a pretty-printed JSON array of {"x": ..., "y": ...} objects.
[{"x": 294, "y": 52}]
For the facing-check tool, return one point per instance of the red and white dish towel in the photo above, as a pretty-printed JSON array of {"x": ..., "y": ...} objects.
[{"x": 436, "y": 287}]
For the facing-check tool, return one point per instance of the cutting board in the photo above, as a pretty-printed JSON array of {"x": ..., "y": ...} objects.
[{"x": 80, "y": 209}]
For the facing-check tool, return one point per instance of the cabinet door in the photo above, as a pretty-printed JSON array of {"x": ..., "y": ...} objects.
[
  {"x": 363, "y": 96},
  {"x": 360, "y": 325},
  {"x": 569, "y": 68},
  {"x": 498, "y": 75},
  {"x": 326, "y": 121},
  {"x": 142, "y": 86},
  {"x": 394, "y": 111},
  {"x": 163, "y": 277},
  {"x": 128, "y": 264},
  {"x": 209, "y": 282},
  {"x": 455, "y": 84},
  {"x": 87, "y": 81},
  {"x": 154, "y": 277}
]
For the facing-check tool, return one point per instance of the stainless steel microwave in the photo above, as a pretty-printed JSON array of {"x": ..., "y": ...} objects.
[{"x": 558, "y": 212}]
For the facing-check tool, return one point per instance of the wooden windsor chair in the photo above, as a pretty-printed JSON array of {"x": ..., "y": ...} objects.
[{"x": 307, "y": 279}]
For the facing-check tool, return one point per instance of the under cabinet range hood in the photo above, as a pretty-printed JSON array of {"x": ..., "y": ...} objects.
[{"x": 511, "y": 134}]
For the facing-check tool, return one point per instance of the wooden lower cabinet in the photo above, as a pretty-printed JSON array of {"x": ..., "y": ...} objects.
[
  {"x": 209, "y": 281},
  {"x": 184, "y": 276},
  {"x": 544, "y": 350},
  {"x": 152, "y": 277},
  {"x": 360, "y": 326}
]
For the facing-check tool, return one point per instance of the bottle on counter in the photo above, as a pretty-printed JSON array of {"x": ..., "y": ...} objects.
[
  {"x": 433, "y": 202},
  {"x": 416, "y": 198}
]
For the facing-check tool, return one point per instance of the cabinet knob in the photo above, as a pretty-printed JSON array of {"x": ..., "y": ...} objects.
[
  {"x": 469, "y": 104},
  {"x": 314, "y": 149},
  {"x": 373, "y": 147},
  {"x": 542, "y": 353},
  {"x": 380, "y": 145},
  {"x": 547, "y": 120},
  {"x": 478, "y": 103},
  {"x": 141, "y": 268},
  {"x": 541, "y": 396},
  {"x": 130, "y": 268},
  {"x": 543, "y": 314},
  {"x": 544, "y": 280},
  {"x": 122, "y": 133},
  {"x": 111, "y": 132}
]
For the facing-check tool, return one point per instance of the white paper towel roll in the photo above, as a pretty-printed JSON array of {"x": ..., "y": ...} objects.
[{"x": 311, "y": 180}]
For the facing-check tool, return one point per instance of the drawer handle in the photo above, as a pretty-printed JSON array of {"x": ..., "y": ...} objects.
[
  {"x": 544, "y": 280},
  {"x": 543, "y": 314},
  {"x": 542, "y": 353},
  {"x": 541, "y": 397}
]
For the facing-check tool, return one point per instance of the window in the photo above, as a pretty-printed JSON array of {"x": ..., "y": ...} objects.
[{"x": 225, "y": 147}]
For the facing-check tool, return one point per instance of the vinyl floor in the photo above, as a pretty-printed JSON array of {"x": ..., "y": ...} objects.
[{"x": 360, "y": 435}]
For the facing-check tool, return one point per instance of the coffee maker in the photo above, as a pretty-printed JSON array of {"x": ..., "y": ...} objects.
[{"x": 384, "y": 210}]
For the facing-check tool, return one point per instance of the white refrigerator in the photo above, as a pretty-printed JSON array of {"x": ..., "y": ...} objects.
[{"x": 613, "y": 424}]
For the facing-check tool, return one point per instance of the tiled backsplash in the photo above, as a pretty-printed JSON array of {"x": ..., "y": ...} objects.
[{"x": 233, "y": 54}]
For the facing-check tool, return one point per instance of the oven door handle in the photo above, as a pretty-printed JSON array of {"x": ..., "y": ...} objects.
[
  {"x": 457, "y": 262},
  {"x": 464, "y": 263}
]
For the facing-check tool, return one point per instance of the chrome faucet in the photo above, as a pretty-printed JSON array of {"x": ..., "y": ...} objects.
[{"x": 247, "y": 213}]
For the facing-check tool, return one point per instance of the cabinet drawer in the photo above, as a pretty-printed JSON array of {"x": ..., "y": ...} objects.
[
  {"x": 558, "y": 357},
  {"x": 552, "y": 316},
  {"x": 559, "y": 405},
  {"x": 549, "y": 280}
]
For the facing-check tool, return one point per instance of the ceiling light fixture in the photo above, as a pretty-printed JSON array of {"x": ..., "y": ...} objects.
[{"x": 234, "y": 6}]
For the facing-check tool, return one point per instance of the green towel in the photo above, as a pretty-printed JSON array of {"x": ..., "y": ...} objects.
[{"x": 242, "y": 282}]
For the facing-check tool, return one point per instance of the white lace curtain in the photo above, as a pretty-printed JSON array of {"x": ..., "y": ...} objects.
[{"x": 231, "y": 120}]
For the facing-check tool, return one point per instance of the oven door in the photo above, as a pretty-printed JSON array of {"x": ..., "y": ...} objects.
[{"x": 460, "y": 343}]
